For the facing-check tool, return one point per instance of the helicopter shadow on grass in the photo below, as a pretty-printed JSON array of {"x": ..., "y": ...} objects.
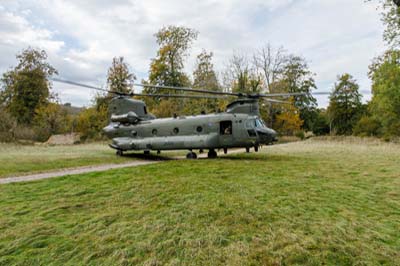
[
  {"x": 257, "y": 157},
  {"x": 149, "y": 157},
  {"x": 228, "y": 157}
]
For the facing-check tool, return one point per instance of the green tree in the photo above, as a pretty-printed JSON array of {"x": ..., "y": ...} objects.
[
  {"x": 296, "y": 77},
  {"x": 288, "y": 121},
  {"x": 205, "y": 78},
  {"x": 51, "y": 119},
  {"x": 167, "y": 68},
  {"x": 92, "y": 120},
  {"x": 345, "y": 105},
  {"x": 7, "y": 126},
  {"x": 391, "y": 20},
  {"x": 25, "y": 88},
  {"x": 385, "y": 103},
  {"x": 367, "y": 126},
  {"x": 321, "y": 124},
  {"x": 119, "y": 78}
]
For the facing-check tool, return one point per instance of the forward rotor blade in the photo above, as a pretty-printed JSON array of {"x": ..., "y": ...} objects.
[
  {"x": 295, "y": 94},
  {"x": 265, "y": 95},
  {"x": 276, "y": 101}
]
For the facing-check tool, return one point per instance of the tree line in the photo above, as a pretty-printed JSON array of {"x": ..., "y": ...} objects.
[{"x": 30, "y": 110}]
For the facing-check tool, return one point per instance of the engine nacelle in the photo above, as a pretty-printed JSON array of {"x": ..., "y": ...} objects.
[{"x": 128, "y": 118}]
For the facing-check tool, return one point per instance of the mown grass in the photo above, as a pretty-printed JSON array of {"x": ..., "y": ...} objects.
[
  {"x": 309, "y": 203},
  {"x": 22, "y": 159}
]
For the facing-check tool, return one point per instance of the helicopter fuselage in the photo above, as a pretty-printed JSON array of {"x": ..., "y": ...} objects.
[{"x": 213, "y": 131}]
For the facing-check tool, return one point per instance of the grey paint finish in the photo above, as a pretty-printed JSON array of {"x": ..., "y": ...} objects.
[{"x": 237, "y": 127}]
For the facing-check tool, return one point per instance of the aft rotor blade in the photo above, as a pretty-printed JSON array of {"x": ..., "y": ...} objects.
[
  {"x": 179, "y": 96},
  {"x": 86, "y": 86},
  {"x": 161, "y": 87}
]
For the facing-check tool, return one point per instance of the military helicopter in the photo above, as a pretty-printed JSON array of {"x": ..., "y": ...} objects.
[{"x": 132, "y": 128}]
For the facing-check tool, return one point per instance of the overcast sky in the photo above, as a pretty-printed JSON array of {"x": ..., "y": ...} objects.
[{"x": 82, "y": 36}]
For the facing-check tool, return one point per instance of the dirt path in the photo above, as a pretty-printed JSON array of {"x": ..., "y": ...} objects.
[
  {"x": 94, "y": 168},
  {"x": 75, "y": 171}
]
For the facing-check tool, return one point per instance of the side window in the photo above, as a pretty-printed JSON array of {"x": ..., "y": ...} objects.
[
  {"x": 251, "y": 123},
  {"x": 225, "y": 128}
]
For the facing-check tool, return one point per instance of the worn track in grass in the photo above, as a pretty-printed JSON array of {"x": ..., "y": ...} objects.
[{"x": 94, "y": 168}]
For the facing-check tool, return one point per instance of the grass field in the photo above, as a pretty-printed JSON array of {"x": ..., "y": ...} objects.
[
  {"x": 308, "y": 203},
  {"x": 20, "y": 159}
]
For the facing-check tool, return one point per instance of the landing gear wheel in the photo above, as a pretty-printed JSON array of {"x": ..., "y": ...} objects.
[
  {"x": 146, "y": 152},
  {"x": 225, "y": 150},
  {"x": 247, "y": 149},
  {"x": 119, "y": 153},
  {"x": 212, "y": 154},
  {"x": 256, "y": 148},
  {"x": 191, "y": 155}
]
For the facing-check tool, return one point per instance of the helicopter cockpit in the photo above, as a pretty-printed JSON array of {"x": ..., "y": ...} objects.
[{"x": 266, "y": 135}]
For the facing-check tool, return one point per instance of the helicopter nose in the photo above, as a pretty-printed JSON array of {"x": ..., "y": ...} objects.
[
  {"x": 274, "y": 135},
  {"x": 267, "y": 135}
]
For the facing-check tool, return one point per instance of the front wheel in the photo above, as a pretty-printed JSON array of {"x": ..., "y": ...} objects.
[{"x": 212, "y": 154}]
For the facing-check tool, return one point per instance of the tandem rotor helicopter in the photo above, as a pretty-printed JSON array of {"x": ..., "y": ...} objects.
[{"x": 132, "y": 128}]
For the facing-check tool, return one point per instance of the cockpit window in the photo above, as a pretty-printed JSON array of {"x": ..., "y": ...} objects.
[
  {"x": 259, "y": 123},
  {"x": 252, "y": 123}
]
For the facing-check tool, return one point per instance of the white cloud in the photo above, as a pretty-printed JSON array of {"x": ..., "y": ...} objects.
[{"x": 81, "y": 37}]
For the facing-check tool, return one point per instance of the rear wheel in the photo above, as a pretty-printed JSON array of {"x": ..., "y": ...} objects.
[
  {"x": 191, "y": 155},
  {"x": 256, "y": 148},
  {"x": 247, "y": 149},
  {"x": 119, "y": 153},
  {"x": 146, "y": 152}
]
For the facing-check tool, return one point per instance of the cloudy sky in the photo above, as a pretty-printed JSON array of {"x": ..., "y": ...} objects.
[{"x": 82, "y": 37}]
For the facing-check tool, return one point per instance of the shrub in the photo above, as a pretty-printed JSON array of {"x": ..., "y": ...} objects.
[
  {"x": 51, "y": 119},
  {"x": 300, "y": 134},
  {"x": 91, "y": 122},
  {"x": 7, "y": 126},
  {"x": 367, "y": 126},
  {"x": 321, "y": 124}
]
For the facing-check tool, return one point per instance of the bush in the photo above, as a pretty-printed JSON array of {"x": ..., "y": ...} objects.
[
  {"x": 7, "y": 126},
  {"x": 321, "y": 124},
  {"x": 300, "y": 135},
  {"x": 91, "y": 122},
  {"x": 51, "y": 119},
  {"x": 367, "y": 126},
  {"x": 22, "y": 132}
]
